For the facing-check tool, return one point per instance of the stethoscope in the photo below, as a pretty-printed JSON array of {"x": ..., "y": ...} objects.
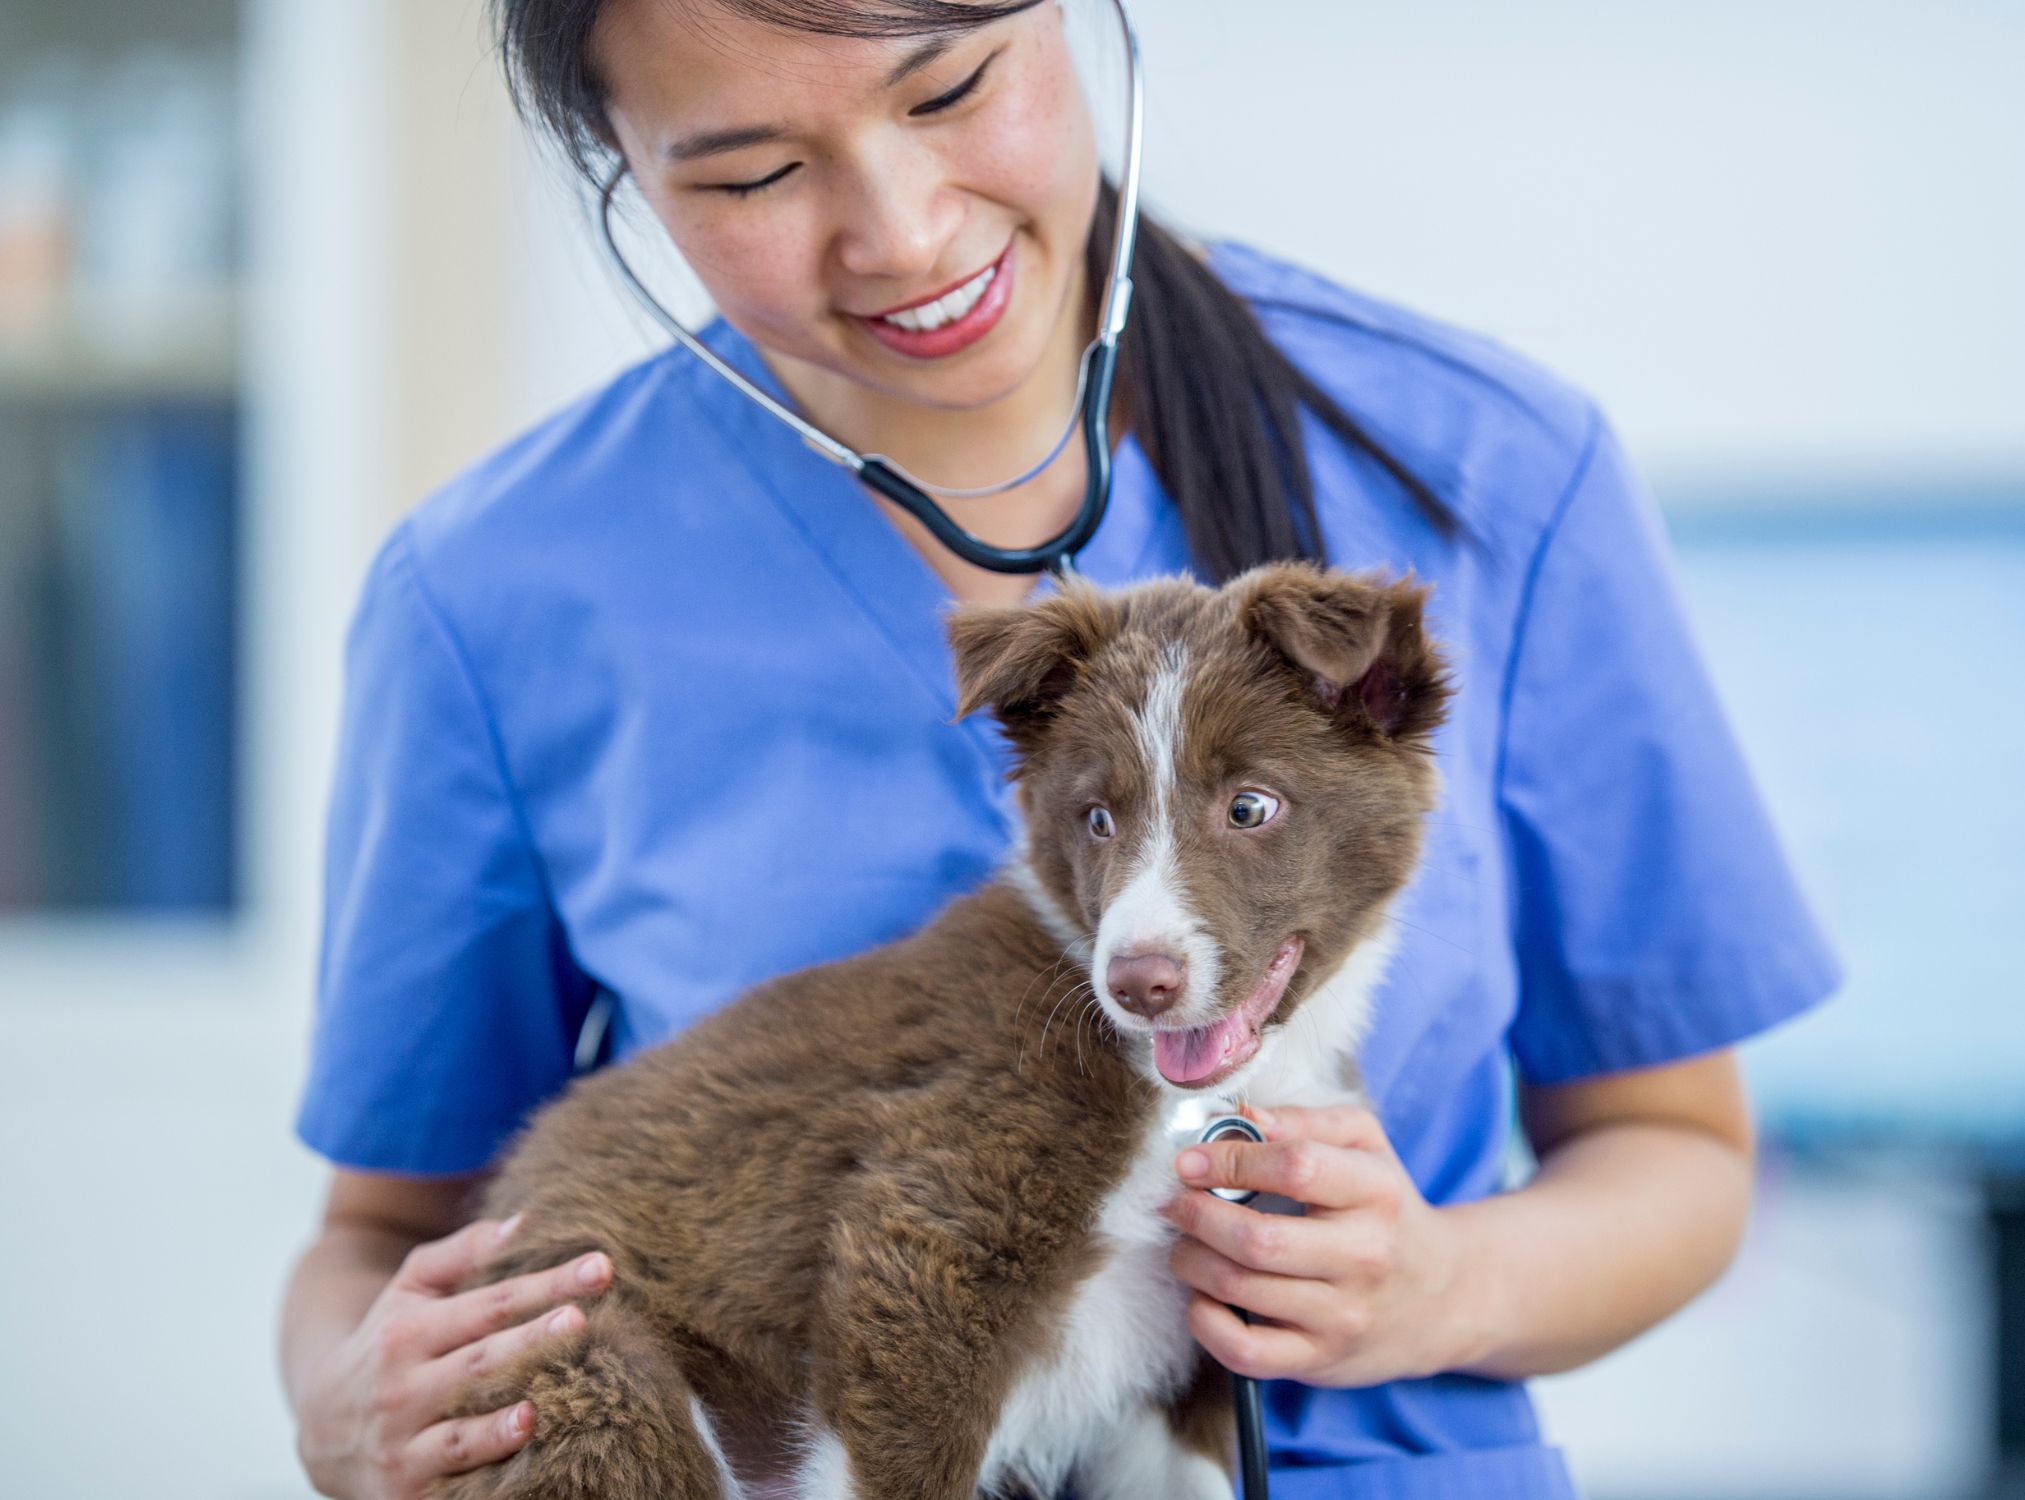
[{"x": 1094, "y": 377}]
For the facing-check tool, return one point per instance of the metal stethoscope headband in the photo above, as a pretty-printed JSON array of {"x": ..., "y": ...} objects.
[{"x": 1093, "y": 384}]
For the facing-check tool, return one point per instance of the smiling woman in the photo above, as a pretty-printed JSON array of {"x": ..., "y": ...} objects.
[{"x": 900, "y": 201}]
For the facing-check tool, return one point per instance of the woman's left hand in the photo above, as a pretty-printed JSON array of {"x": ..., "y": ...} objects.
[{"x": 1365, "y": 1288}]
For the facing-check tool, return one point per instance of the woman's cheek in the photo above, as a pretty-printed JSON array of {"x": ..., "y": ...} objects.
[
  {"x": 755, "y": 264},
  {"x": 1036, "y": 151}
]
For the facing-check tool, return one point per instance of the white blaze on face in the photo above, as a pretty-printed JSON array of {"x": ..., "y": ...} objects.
[{"x": 1151, "y": 912}]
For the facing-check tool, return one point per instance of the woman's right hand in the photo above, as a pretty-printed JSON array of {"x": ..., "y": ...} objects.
[{"x": 372, "y": 1420}]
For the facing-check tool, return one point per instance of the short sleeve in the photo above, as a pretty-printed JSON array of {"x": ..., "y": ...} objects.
[
  {"x": 1655, "y": 913},
  {"x": 447, "y": 1004}
]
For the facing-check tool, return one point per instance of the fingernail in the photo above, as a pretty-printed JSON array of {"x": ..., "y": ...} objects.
[
  {"x": 1263, "y": 1118},
  {"x": 1192, "y": 1165},
  {"x": 522, "y": 1418},
  {"x": 591, "y": 1270},
  {"x": 507, "y": 1228},
  {"x": 562, "y": 1320}
]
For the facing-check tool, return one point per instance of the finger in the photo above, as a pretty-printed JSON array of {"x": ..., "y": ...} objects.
[
  {"x": 470, "y": 1316},
  {"x": 1352, "y": 1126},
  {"x": 1281, "y": 1244},
  {"x": 1256, "y": 1349},
  {"x": 1292, "y": 1300},
  {"x": 467, "y": 1442},
  {"x": 436, "y": 1267},
  {"x": 442, "y": 1382},
  {"x": 1325, "y": 1176}
]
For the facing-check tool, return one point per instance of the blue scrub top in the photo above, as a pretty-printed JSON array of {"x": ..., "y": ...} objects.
[{"x": 654, "y": 703}]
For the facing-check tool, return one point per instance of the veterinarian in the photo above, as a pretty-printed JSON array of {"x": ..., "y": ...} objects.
[{"x": 654, "y": 703}]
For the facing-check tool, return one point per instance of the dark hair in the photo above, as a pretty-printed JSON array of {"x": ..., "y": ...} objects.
[{"x": 1213, "y": 402}]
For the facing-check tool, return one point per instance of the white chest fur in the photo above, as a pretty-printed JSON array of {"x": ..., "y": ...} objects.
[
  {"x": 1124, "y": 1343},
  {"x": 1307, "y": 1061}
]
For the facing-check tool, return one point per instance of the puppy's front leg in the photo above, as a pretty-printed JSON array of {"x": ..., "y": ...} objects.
[{"x": 915, "y": 1350}]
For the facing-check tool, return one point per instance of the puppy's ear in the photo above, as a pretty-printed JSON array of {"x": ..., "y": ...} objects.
[
  {"x": 1020, "y": 660},
  {"x": 1356, "y": 641}
]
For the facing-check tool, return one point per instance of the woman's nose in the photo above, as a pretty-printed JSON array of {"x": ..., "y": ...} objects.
[{"x": 897, "y": 222}]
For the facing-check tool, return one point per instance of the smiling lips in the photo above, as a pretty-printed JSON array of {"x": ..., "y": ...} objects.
[
  {"x": 1202, "y": 1055},
  {"x": 935, "y": 327}
]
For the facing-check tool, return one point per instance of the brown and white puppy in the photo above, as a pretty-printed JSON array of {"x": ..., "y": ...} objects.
[{"x": 889, "y": 1226}]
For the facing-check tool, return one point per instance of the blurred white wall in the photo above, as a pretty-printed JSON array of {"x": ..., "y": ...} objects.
[{"x": 1779, "y": 241}]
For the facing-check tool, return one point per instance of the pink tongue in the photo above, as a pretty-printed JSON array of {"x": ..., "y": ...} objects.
[{"x": 1184, "y": 1056}]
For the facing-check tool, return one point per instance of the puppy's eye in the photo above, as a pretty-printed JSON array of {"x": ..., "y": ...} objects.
[
  {"x": 1252, "y": 809},
  {"x": 1100, "y": 822}
]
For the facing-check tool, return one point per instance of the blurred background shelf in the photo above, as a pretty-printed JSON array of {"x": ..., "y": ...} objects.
[
  {"x": 180, "y": 349},
  {"x": 122, "y": 183}
]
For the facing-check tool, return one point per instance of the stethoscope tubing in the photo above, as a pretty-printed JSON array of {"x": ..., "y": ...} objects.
[
  {"x": 1254, "y": 1460},
  {"x": 882, "y": 474}
]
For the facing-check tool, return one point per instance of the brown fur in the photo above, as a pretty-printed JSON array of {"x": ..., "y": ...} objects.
[{"x": 866, "y": 1191}]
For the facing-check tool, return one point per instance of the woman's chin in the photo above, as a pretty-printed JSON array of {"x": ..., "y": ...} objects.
[{"x": 975, "y": 380}]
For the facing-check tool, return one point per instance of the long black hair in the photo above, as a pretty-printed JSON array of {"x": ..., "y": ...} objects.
[{"x": 1213, "y": 402}]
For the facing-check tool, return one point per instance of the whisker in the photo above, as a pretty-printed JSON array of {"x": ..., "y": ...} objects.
[
  {"x": 1049, "y": 974},
  {"x": 1083, "y": 994},
  {"x": 1042, "y": 1045},
  {"x": 1438, "y": 937}
]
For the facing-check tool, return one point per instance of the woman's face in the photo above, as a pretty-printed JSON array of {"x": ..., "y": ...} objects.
[{"x": 892, "y": 170}]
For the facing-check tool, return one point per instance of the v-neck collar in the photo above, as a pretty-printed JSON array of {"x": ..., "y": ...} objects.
[{"x": 891, "y": 582}]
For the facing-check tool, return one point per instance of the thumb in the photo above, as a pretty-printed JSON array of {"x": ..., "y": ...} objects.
[{"x": 438, "y": 1267}]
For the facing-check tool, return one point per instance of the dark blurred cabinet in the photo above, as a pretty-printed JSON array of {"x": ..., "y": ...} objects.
[{"x": 121, "y": 515}]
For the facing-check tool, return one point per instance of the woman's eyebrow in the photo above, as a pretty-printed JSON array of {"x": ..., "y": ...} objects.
[
  {"x": 918, "y": 59},
  {"x": 716, "y": 142}
]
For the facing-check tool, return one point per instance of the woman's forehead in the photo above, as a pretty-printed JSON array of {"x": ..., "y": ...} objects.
[{"x": 706, "y": 65}]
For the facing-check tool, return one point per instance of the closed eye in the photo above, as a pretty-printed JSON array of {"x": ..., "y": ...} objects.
[
  {"x": 956, "y": 95},
  {"x": 745, "y": 189}
]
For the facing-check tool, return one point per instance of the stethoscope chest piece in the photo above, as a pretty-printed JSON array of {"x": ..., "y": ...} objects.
[{"x": 1231, "y": 1128}]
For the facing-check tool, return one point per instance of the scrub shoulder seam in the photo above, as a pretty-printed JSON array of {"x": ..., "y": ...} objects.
[{"x": 410, "y": 553}]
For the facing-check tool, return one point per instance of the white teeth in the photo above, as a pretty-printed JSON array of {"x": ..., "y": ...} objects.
[{"x": 933, "y": 315}]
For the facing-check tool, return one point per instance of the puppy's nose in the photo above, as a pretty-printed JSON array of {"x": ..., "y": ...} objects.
[{"x": 1145, "y": 984}]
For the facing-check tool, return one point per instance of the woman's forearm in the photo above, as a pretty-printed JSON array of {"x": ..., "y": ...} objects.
[{"x": 1623, "y": 1224}]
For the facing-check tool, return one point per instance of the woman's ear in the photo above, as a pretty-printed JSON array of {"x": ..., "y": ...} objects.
[
  {"x": 1020, "y": 660},
  {"x": 1356, "y": 641}
]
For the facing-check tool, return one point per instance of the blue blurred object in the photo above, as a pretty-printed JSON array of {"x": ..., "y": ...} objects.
[
  {"x": 133, "y": 637},
  {"x": 162, "y": 613},
  {"x": 1872, "y": 658}
]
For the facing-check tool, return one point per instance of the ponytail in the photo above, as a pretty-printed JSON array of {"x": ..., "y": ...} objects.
[{"x": 1215, "y": 406}]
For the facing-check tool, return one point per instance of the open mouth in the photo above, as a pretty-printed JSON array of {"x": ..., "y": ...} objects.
[
  {"x": 1201, "y": 1056},
  {"x": 942, "y": 326}
]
